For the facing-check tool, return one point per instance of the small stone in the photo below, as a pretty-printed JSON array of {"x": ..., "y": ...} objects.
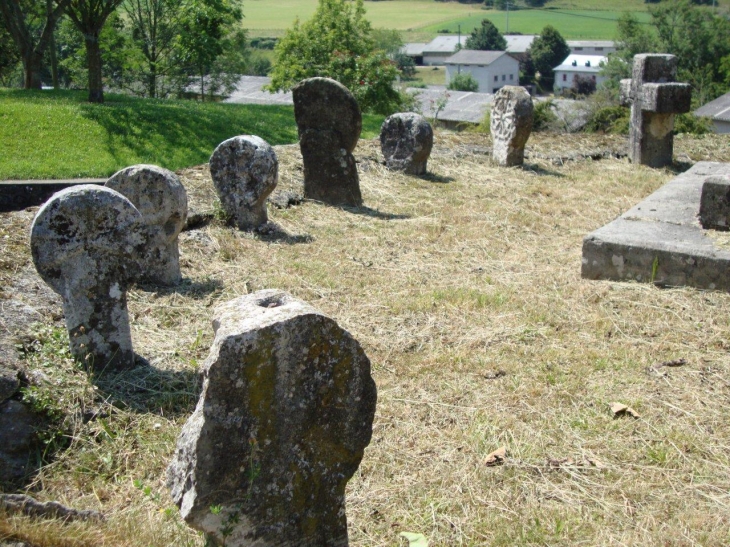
[
  {"x": 329, "y": 122},
  {"x": 285, "y": 414},
  {"x": 158, "y": 194},
  {"x": 244, "y": 170},
  {"x": 715, "y": 203},
  {"x": 510, "y": 125},
  {"x": 87, "y": 243},
  {"x": 406, "y": 140}
]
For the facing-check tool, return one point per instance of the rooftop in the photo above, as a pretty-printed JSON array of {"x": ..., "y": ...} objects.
[
  {"x": 444, "y": 44},
  {"x": 474, "y": 57},
  {"x": 582, "y": 63},
  {"x": 719, "y": 109}
]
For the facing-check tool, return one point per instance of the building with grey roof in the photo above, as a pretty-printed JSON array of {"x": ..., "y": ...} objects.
[
  {"x": 491, "y": 69},
  {"x": 587, "y": 66},
  {"x": 591, "y": 47},
  {"x": 719, "y": 112},
  {"x": 440, "y": 48}
]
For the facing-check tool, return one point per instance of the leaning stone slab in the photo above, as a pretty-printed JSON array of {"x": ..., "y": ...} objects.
[
  {"x": 158, "y": 194},
  {"x": 281, "y": 425},
  {"x": 86, "y": 244},
  {"x": 715, "y": 203},
  {"x": 660, "y": 240},
  {"x": 510, "y": 125},
  {"x": 329, "y": 122},
  {"x": 244, "y": 171},
  {"x": 406, "y": 140}
]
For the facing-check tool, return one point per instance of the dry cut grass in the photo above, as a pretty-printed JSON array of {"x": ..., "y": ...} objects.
[{"x": 464, "y": 288}]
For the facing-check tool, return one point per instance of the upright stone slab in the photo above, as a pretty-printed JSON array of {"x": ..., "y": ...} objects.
[
  {"x": 329, "y": 122},
  {"x": 715, "y": 203},
  {"x": 655, "y": 98},
  {"x": 281, "y": 425},
  {"x": 244, "y": 171},
  {"x": 406, "y": 140},
  {"x": 161, "y": 198},
  {"x": 86, "y": 243},
  {"x": 510, "y": 125}
]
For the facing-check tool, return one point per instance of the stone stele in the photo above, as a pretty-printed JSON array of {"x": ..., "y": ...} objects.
[
  {"x": 510, "y": 125},
  {"x": 281, "y": 425},
  {"x": 244, "y": 171},
  {"x": 161, "y": 198},
  {"x": 406, "y": 140},
  {"x": 329, "y": 122},
  {"x": 86, "y": 243}
]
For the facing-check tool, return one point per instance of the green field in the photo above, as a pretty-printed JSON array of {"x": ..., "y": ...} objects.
[{"x": 57, "y": 134}]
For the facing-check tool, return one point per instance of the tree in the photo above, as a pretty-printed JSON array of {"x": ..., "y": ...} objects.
[
  {"x": 31, "y": 25},
  {"x": 583, "y": 85},
  {"x": 463, "y": 82},
  {"x": 547, "y": 51},
  {"x": 486, "y": 37},
  {"x": 9, "y": 56},
  {"x": 89, "y": 17},
  {"x": 337, "y": 43},
  {"x": 631, "y": 39}
]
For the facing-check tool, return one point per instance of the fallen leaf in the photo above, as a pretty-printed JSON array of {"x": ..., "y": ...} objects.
[
  {"x": 414, "y": 540},
  {"x": 620, "y": 409},
  {"x": 497, "y": 457}
]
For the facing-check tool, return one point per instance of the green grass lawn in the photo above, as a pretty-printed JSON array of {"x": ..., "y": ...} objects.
[{"x": 57, "y": 134}]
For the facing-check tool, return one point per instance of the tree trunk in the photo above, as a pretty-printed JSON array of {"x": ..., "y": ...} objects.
[
  {"x": 52, "y": 45},
  {"x": 93, "y": 55},
  {"x": 32, "y": 63},
  {"x": 152, "y": 81}
]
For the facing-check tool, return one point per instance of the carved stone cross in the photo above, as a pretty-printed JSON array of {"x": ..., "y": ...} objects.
[{"x": 655, "y": 99}]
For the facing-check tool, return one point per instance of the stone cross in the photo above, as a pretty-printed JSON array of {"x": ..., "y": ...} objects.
[
  {"x": 158, "y": 194},
  {"x": 510, "y": 125},
  {"x": 329, "y": 122},
  {"x": 86, "y": 243},
  {"x": 244, "y": 171},
  {"x": 285, "y": 414},
  {"x": 655, "y": 98},
  {"x": 406, "y": 140}
]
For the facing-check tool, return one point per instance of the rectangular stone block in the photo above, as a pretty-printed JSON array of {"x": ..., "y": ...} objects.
[
  {"x": 650, "y": 67},
  {"x": 625, "y": 93},
  {"x": 669, "y": 98},
  {"x": 715, "y": 204}
]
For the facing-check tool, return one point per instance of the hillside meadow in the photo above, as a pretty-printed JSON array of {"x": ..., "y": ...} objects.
[{"x": 464, "y": 289}]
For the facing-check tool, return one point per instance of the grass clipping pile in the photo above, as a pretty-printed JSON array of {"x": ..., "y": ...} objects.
[{"x": 497, "y": 366}]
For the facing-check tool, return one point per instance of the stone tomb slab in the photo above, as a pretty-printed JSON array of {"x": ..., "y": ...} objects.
[{"x": 660, "y": 240}]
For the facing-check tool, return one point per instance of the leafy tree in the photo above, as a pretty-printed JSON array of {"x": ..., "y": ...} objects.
[
  {"x": 31, "y": 25},
  {"x": 583, "y": 85},
  {"x": 486, "y": 37},
  {"x": 337, "y": 43},
  {"x": 89, "y": 16},
  {"x": 406, "y": 64},
  {"x": 632, "y": 38},
  {"x": 463, "y": 82},
  {"x": 387, "y": 40},
  {"x": 547, "y": 51},
  {"x": 9, "y": 56}
]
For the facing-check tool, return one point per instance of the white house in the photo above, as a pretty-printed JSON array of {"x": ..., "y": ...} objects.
[
  {"x": 719, "y": 112},
  {"x": 441, "y": 48},
  {"x": 578, "y": 65},
  {"x": 591, "y": 47},
  {"x": 491, "y": 69}
]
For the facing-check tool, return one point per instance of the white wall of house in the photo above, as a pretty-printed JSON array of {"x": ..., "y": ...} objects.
[
  {"x": 501, "y": 72},
  {"x": 564, "y": 78},
  {"x": 721, "y": 126}
]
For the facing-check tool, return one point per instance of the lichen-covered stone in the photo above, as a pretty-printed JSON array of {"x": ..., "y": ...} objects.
[
  {"x": 281, "y": 425},
  {"x": 86, "y": 243},
  {"x": 406, "y": 140},
  {"x": 244, "y": 171},
  {"x": 329, "y": 122},
  {"x": 655, "y": 99},
  {"x": 510, "y": 125},
  {"x": 715, "y": 203},
  {"x": 161, "y": 198}
]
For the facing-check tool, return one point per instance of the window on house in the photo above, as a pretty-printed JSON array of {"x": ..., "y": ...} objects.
[
  {"x": 496, "y": 78},
  {"x": 511, "y": 76},
  {"x": 578, "y": 49},
  {"x": 565, "y": 77},
  {"x": 504, "y": 77},
  {"x": 594, "y": 78},
  {"x": 599, "y": 49}
]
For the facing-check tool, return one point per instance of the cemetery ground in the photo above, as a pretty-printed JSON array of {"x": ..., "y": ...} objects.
[{"x": 464, "y": 288}]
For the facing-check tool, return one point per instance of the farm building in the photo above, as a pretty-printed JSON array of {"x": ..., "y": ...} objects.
[
  {"x": 441, "y": 48},
  {"x": 437, "y": 50},
  {"x": 518, "y": 44},
  {"x": 578, "y": 65},
  {"x": 719, "y": 112},
  {"x": 491, "y": 69},
  {"x": 591, "y": 47}
]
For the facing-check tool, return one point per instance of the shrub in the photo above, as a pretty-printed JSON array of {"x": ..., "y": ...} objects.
[
  {"x": 463, "y": 82},
  {"x": 689, "y": 123},
  {"x": 609, "y": 119},
  {"x": 583, "y": 85},
  {"x": 543, "y": 116}
]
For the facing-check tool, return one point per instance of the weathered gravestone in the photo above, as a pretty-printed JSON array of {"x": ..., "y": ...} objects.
[
  {"x": 510, "y": 125},
  {"x": 86, "y": 243},
  {"x": 158, "y": 194},
  {"x": 281, "y": 425},
  {"x": 244, "y": 171},
  {"x": 406, "y": 140},
  {"x": 715, "y": 203},
  {"x": 655, "y": 98},
  {"x": 329, "y": 122}
]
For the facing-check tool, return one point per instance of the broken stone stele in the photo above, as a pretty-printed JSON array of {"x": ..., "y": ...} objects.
[
  {"x": 329, "y": 122},
  {"x": 510, "y": 125},
  {"x": 660, "y": 240},
  {"x": 158, "y": 194},
  {"x": 244, "y": 171},
  {"x": 406, "y": 140},
  {"x": 655, "y": 98},
  {"x": 86, "y": 243},
  {"x": 715, "y": 203},
  {"x": 281, "y": 425}
]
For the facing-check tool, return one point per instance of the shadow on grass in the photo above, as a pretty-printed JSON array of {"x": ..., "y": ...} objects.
[
  {"x": 541, "y": 171},
  {"x": 273, "y": 233},
  {"x": 186, "y": 287},
  {"x": 369, "y": 211},
  {"x": 433, "y": 177}
]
